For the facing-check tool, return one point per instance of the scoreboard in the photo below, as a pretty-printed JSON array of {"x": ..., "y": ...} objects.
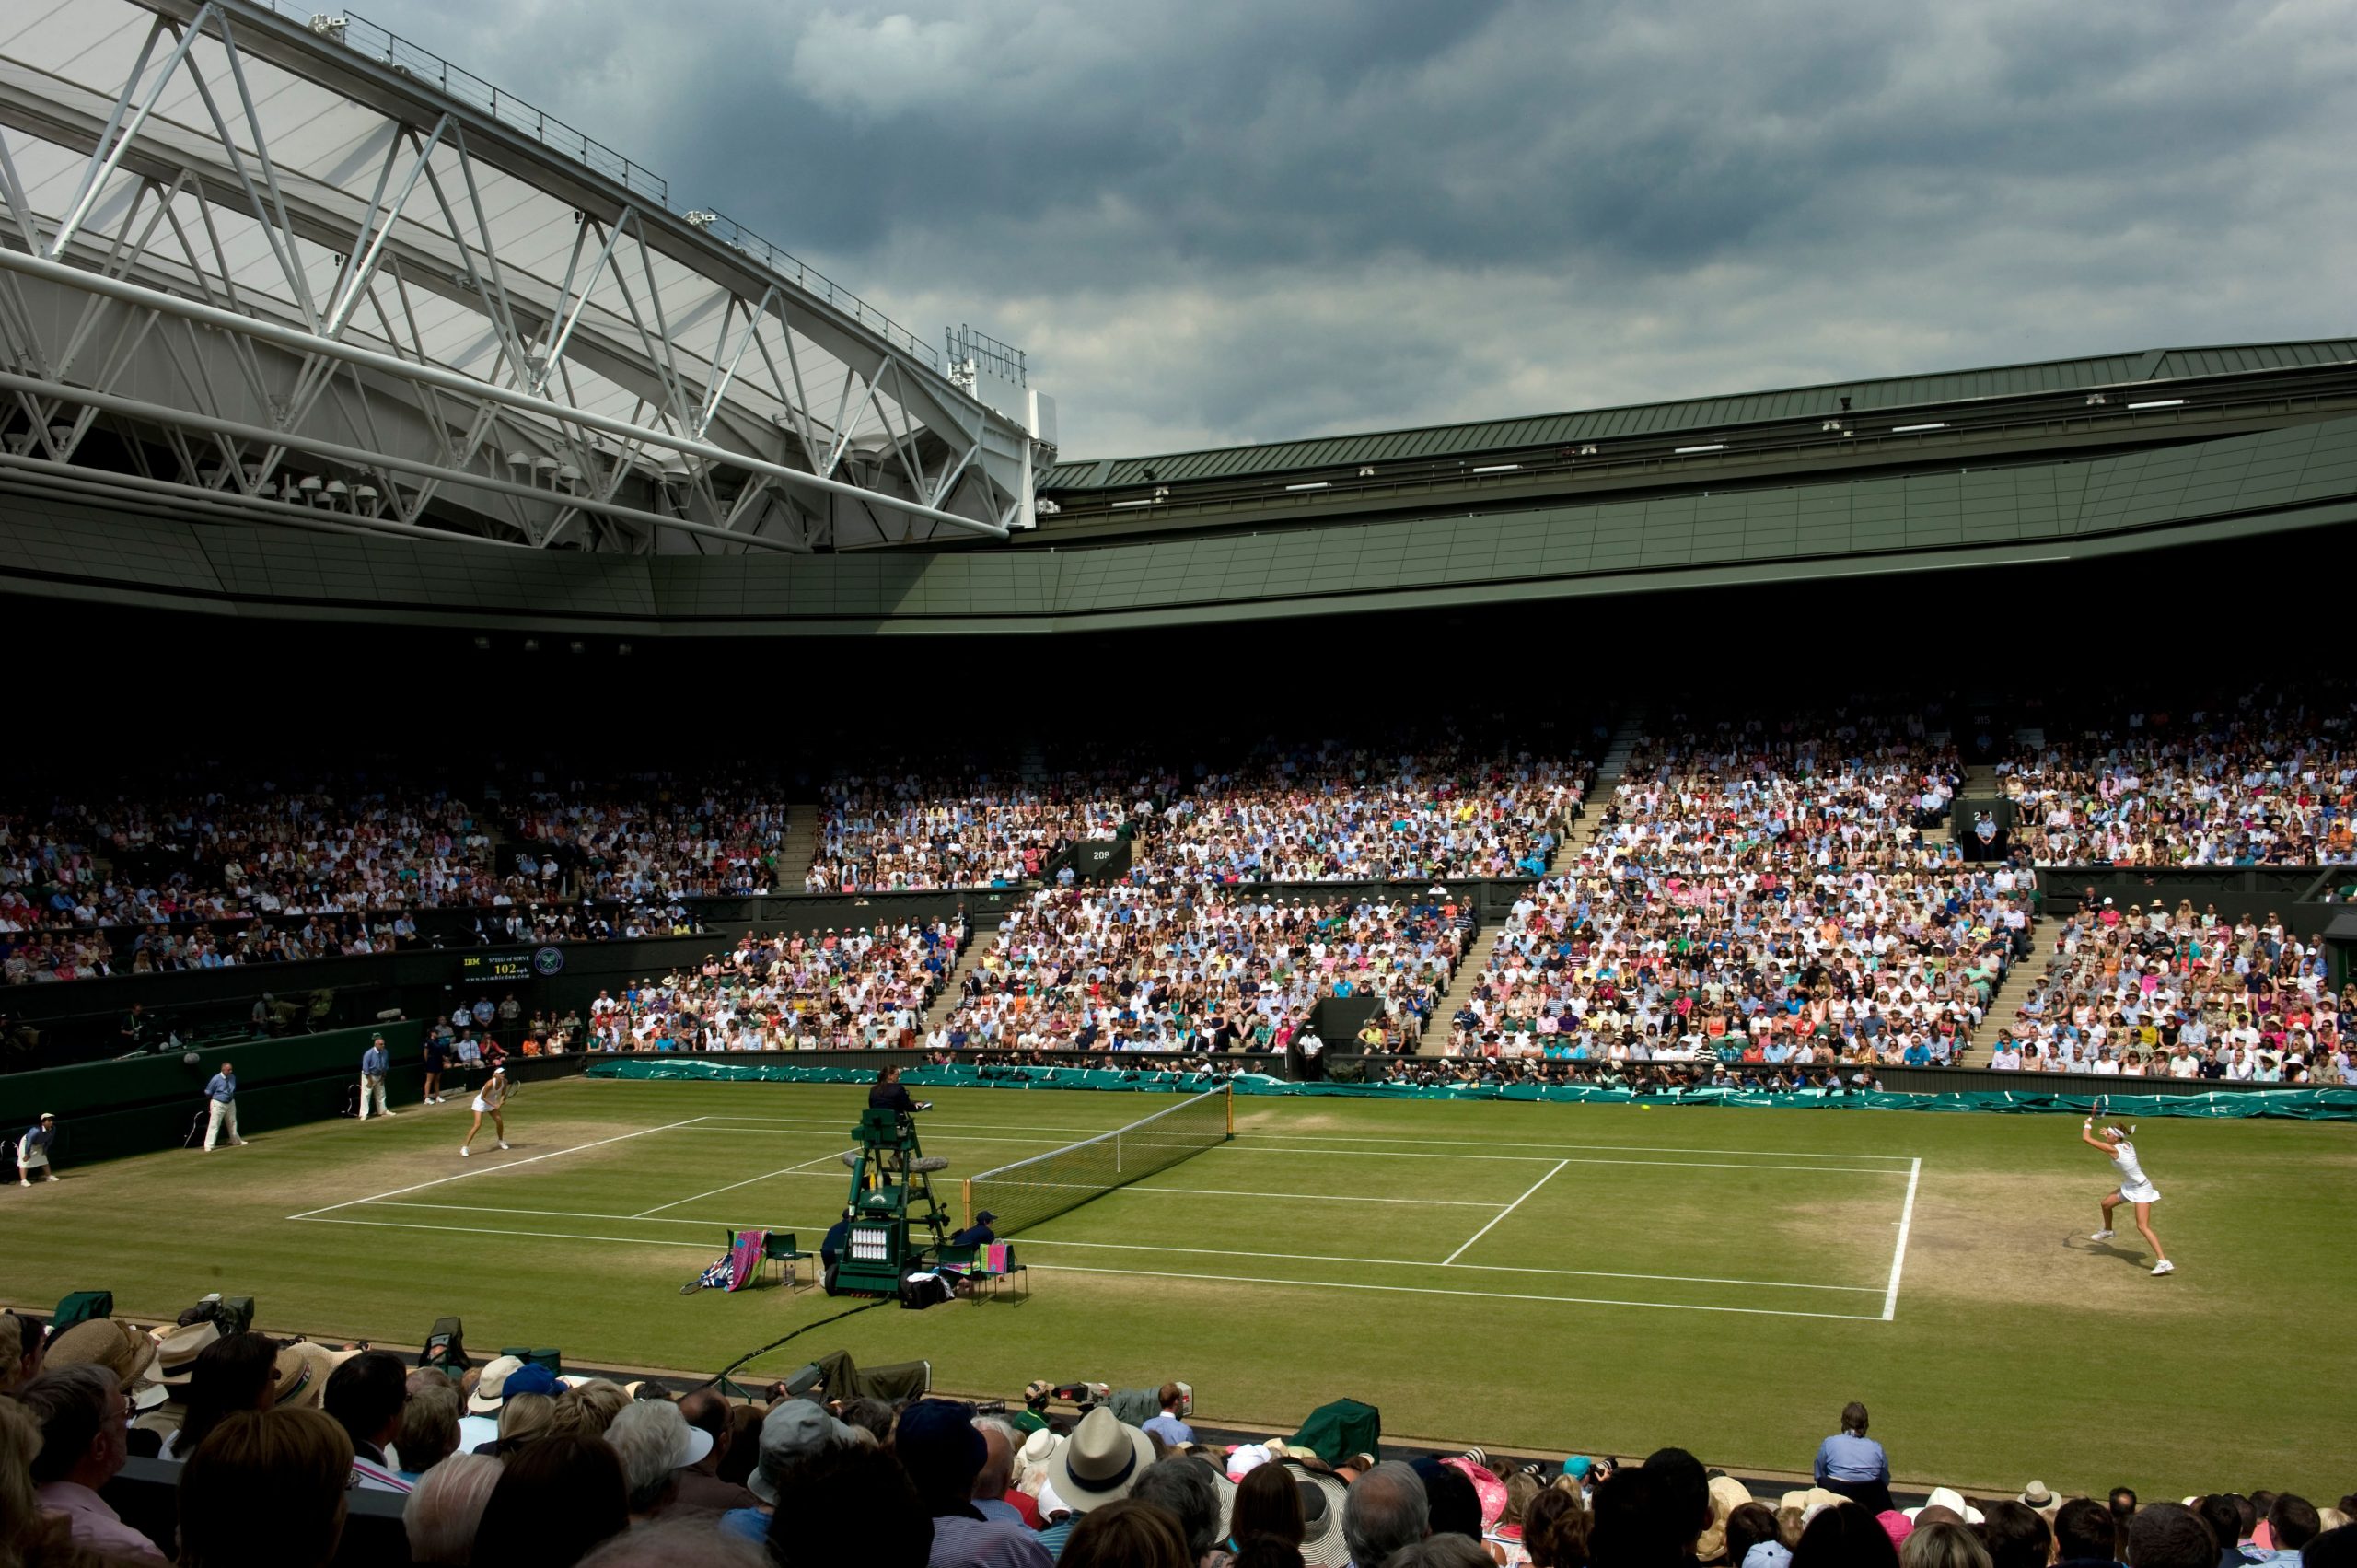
[{"x": 519, "y": 967}]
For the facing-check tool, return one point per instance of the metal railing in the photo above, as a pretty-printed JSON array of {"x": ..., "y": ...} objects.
[{"x": 387, "y": 48}]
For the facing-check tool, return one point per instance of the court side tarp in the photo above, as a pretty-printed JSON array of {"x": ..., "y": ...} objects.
[{"x": 2293, "y": 1104}]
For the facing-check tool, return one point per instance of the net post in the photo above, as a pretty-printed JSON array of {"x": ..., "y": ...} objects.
[
  {"x": 966, "y": 1202},
  {"x": 1228, "y": 1094}
]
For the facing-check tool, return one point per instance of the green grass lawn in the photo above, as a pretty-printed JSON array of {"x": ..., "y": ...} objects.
[{"x": 1563, "y": 1278}]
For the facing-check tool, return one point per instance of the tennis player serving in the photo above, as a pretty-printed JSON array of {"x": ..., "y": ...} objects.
[
  {"x": 2135, "y": 1187},
  {"x": 491, "y": 1101}
]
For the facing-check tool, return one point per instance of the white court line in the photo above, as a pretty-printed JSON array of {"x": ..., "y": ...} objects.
[
  {"x": 502, "y": 1165},
  {"x": 732, "y": 1186},
  {"x": 1422, "y": 1263},
  {"x": 1243, "y": 1132},
  {"x": 703, "y": 1247},
  {"x": 1436, "y": 1290},
  {"x": 1568, "y": 1159},
  {"x": 1558, "y": 1148},
  {"x": 1503, "y": 1212},
  {"x": 1312, "y": 1197},
  {"x": 1899, "y": 1252},
  {"x": 1144, "y": 1273}
]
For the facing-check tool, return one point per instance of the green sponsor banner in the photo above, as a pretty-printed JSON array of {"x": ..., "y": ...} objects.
[{"x": 2296, "y": 1103}]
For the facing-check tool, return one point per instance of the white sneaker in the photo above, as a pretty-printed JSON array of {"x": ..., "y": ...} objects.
[
  {"x": 389, "y": 1113},
  {"x": 464, "y": 1151},
  {"x": 2102, "y": 1235},
  {"x": 2164, "y": 1267},
  {"x": 503, "y": 1143}
]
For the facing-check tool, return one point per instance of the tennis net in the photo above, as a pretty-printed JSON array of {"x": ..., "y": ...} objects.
[{"x": 1044, "y": 1186}]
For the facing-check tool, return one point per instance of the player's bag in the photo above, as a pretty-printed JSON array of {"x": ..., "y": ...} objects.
[{"x": 922, "y": 1290}]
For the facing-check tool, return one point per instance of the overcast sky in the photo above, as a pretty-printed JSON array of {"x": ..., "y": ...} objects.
[{"x": 1213, "y": 223}]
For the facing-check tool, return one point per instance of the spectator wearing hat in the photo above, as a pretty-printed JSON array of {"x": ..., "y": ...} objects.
[
  {"x": 84, "y": 1425},
  {"x": 33, "y": 1151},
  {"x": 102, "y": 1342},
  {"x": 1185, "y": 1487},
  {"x": 937, "y": 1443},
  {"x": 795, "y": 1432},
  {"x": 700, "y": 1487},
  {"x": 655, "y": 1443},
  {"x": 1100, "y": 1463}
]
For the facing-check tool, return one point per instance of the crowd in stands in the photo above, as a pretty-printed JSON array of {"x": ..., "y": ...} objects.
[
  {"x": 1433, "y": 805},
  {"x": 930, "y": 830},
  {"x": 829, "y": 991},
  {"x": 657, "y": 837},
  {"x": 1759, "y": 894},
  {"x": 267, "y": 1444},
  {"x": 2161, "y": 992},
  {"x": 1166, "y": 963},
  {"x": 2267, "y": 777}
]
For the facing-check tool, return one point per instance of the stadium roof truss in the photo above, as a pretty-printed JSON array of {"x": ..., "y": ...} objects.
[{"x": 299, "y": 271}]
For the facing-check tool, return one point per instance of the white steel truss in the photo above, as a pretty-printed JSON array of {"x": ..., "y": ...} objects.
[{"x": 298, "y": 272}]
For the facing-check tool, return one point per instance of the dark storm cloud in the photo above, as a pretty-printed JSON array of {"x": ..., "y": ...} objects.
[{"x": 1226, "y": 222}]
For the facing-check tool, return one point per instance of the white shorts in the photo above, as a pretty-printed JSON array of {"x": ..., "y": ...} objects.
[
  {"x": 482, "y": 1109},
  {"x": 2147, "y": 1193}
]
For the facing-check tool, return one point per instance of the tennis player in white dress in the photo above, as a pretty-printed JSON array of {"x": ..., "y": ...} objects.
[
  {"x": 490, "y": 1101},
  {"x": 2134, "y": 1187}
]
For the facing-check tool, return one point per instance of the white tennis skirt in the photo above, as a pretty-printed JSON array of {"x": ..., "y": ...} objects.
[{"x": 2143, "y": 1193}]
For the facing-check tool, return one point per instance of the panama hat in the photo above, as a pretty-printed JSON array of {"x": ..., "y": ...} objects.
[
  {"x": 1949, "y": 1497},
  {"x": 1727, "y": 1494},
  {"x": 491, "y": 1387},
  {"x": 1101, "y": 1463},
  {"x": 2035, "y": 1496},
  {"x": 1322, "y": 1545},
  {"x": 303, "y": 1369},
  {"x": 178, "y": 1348},
  {"x": 102, "y": 1342}
]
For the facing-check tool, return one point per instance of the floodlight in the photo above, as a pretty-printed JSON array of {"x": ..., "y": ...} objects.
[
  {"x": 1688, "y": 451},
  {"x": 1910, "y": 429},
  {"x": 1313, "y": 484},
  {"x": 337, "y": 487},
  {"x": 1497, "y": 467},
  {"x": 2158, "y": 402}
]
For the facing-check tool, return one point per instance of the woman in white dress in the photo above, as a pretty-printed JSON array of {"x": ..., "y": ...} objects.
[
  {"x": 492, "y": 1099},
  {"x": 2134, "y": 1187}
]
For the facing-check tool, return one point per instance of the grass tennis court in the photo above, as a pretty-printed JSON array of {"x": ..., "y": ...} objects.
[{"x": 1600, "y": 1278}]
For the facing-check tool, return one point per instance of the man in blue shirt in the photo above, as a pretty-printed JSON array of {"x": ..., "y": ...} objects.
[
  {"x": 373, "y": 1062},
  {"x": 222, "y": 1092},
  {"x": 1171, "y": 1425}
]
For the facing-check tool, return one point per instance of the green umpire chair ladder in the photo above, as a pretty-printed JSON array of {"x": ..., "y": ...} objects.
[{"x": 893, "y": 1214}]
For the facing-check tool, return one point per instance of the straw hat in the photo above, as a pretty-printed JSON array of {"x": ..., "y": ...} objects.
[
  {"x": 1101, "y": 1461},
  {"x": 1727, "y": 1494},
  {"x": 176, "y": 1352},
  {"x": 1322, "y": 1545},
  {"x": 102, "y": 1342},
  {"x": 303, "y": 1369},
  {"x": 492, "y": 1387},
  {"x": 1950, "y": 1498}
]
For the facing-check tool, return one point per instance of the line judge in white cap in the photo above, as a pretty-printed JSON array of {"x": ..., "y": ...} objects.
[{"x": 32, "y": 1151}]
